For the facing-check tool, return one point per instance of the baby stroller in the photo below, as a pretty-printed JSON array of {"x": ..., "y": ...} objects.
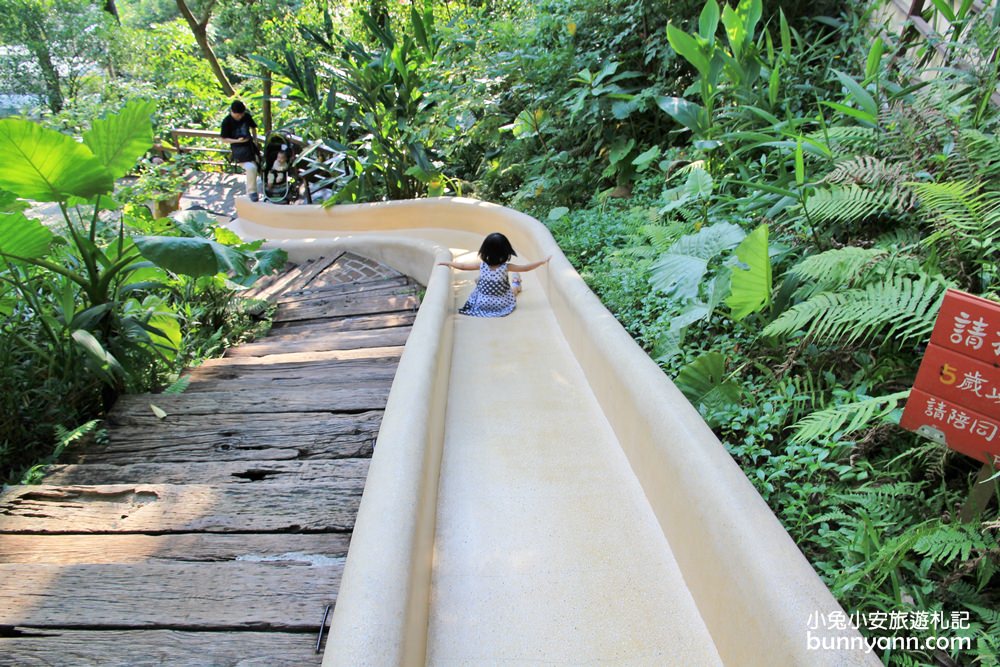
[{"x": 280, "y": 176}]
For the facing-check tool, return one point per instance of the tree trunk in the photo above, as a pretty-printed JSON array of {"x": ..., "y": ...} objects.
[
  {"x": 200, "y": 31},
  {"x": 111, "y": 8},
  {"x": 53, "y": 89},
  {"x": 266, "y": 103}
]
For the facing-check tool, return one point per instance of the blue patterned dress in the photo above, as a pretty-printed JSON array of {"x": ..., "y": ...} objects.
[{"x": 492, "y": 296}]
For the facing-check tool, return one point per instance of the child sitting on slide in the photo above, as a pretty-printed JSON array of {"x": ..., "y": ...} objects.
[{"x": 494, "y": 296}]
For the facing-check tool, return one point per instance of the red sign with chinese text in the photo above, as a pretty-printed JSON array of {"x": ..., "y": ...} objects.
[
  {"x": 970, "y": 325},
  {"x": 956, "y": 396},
  {"x": 960, "y": 379},
  {"x": 959, "y": 428}
]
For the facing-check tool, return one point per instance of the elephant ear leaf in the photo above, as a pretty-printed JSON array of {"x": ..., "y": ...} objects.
[
  {"x": 751, "y": 282},
  {"x": 704, "y": 383},
  {"x": 191, "y": 257},
  {"x": 44, "y": 165},
  {"x": 120, "y": 139},
  {"x": 23, "y": 237}
]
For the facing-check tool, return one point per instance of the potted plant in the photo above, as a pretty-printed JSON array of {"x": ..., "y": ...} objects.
[{"x": 160, "y": 184}]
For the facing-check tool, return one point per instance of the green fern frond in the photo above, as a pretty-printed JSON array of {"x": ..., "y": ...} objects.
[
  {"x": 890, "y": 177},
  {"x": 847, "y": 139},
  {"x": 983, "y": 150},
  {"x": 248, "y": 306},
  {"x": 901, "y": 309},
  {"x": 931, "y": 454},
  {"x": 883, "y": 499},
  {"x": 990, "y": 617},
  {"x": 833, "y": 269},
  {"x": 950, "y": 541},
  {"x": 64, "y": 437},
  {"x": 179, "y": 386},
  {"x": 661, "y": 237},
  {"x": 838, "y": 516},
  {"x": 868, "y": 170},
  {"x": 849, "y": 204},
  {"x": 960, "y": 206},
  {"x": 898, "y": 238},
  {"x": 638, "y": 252},
  {"x": 847, "y": 418},
  {"x": 988, "y": 567}
]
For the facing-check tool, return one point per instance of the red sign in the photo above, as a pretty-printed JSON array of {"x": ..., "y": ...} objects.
[
  {"x": 969, "y": 325},
  {"x": 950, "y": 424},
  {"x": 956, "y": 396},
  {"x": 960, "y": 379}
]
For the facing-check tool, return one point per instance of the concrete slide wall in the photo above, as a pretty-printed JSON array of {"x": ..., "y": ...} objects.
[{"x": 754, "y": 589}]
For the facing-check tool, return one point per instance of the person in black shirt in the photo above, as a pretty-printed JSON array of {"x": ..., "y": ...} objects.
[{"x": 240, "y": 131}]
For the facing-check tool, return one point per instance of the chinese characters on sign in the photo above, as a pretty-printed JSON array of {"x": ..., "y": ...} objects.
[{"x": 956, "y": 397}]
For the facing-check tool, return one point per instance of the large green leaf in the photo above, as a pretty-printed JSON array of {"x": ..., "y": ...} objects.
[
  {"x": 44, "y": 165},
  {"x": 679, "y": 271},
  {"x": 692, "y": 116},
  {"x": 191, "y": 257},
  {"x": 703, "y": 382},
  {"x": 856, "y": 92},
  {"x": 677, "y": 275},
  {"x": 751, "y": 283},
  {"x": 23, "y": 237},
  {"x": 102, "y": 361},
  {"x": 710, "y": 241},
  {"x": 269, "y": 261},
  {"x": 689, "y": 49},
  {"x": 9, "y": 202},
  {"x": 122, "y": 138}
]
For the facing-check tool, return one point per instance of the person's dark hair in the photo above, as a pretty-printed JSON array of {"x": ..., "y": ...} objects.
[
  {"x": 496, "y": 249},
  {"x": 238, "y": 107}
]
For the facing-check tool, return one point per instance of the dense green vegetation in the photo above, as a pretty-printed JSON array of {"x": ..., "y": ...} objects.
[{"x": 771, "y": 198}]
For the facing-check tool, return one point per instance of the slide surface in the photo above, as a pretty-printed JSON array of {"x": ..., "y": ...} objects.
[{"x": 540, "y": 492}]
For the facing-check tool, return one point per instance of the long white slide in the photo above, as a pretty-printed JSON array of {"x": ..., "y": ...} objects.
[{"x": 540, "y": 493}]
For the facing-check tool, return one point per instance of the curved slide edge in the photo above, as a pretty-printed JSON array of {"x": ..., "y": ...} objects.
[{"x": 754, "y": 589}]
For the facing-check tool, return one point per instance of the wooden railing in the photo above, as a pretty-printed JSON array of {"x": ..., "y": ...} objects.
[
  {"x": 318, "y": 165},
  {"x": 206, "y": 145},
  {"x": 911, "y": 13}
]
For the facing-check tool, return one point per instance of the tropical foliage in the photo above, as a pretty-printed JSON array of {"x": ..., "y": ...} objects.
[{"x": 97, "y": 305}]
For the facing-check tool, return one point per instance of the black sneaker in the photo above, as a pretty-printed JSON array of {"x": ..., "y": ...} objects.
[{"x": 254, "y": 197}]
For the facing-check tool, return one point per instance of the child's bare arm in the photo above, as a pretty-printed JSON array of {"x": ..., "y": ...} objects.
[
  {"x": 461, "y": 266},
  {"x": 522, "y": 268}
]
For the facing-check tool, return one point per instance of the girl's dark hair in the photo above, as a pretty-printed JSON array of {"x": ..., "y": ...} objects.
[
  {"x": 496, "y": 249},
  {"x": 238, "y": 107}
]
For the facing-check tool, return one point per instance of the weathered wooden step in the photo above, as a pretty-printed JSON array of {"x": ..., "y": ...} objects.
[
  {"x": 318, "y": 398},
  {"x": 336, "y": 340},
  {"x": 291, "y": 548},
  {"x": 177, "y": 508},
  {"x": 303, "y": 357},
  {"x": 321, "y": 339},
  {"x": 324, "y": 298},
  {"x": 197, "y": 596},
  {"x": 363, "y": 305},
  {"x": 358, "y": 287},
  {"x": 342, "y": 474},
  {"x": 332, "y": 369},
  {"x": 155, "y": 648},
  {"x": 141, "y": 436},
  {"x": 306, "y": 340},
  {"x": 402, "y": 318},
  {"x": 276, "y": 379}
]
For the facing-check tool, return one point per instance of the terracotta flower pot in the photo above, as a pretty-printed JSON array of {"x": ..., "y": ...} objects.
[{"x": 161, "y": 208}]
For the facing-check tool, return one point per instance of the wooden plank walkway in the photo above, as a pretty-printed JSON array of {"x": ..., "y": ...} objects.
[{"x": 216, "y": 535}]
